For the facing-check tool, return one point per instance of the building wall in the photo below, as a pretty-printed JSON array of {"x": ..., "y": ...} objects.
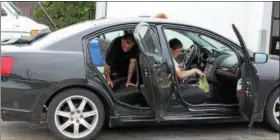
[{"x": 253, "y": 19}]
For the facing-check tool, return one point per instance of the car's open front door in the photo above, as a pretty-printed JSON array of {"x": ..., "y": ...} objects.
[
  {"x": 247, "y": 86},
  {"x": 156, "y": 74}
]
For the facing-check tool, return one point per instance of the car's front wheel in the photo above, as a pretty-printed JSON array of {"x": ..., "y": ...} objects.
[
  {"x": 272, "y": 110},
  {"x": 75, "y": 114}
]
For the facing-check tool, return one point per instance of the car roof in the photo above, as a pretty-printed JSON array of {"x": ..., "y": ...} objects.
[
  {"x": 138, "y": 19},
  {"x": 77, "y": 28},
  {"x": 83, "y": 27}
]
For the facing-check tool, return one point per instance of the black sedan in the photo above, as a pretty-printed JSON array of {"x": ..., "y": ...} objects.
[{"x": 61, "y": 75}]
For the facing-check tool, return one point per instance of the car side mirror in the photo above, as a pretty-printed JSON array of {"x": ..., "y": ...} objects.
[{"x": 260, "y": 58}]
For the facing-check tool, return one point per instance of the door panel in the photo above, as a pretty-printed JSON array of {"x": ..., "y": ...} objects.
[
  {"x": 156, "y": 73},
  {"x": 145, "y": 62},
  {"x": 248, "y": 94}
]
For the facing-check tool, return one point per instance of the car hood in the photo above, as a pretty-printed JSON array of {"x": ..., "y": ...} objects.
[{"x": 25, "y": 23}]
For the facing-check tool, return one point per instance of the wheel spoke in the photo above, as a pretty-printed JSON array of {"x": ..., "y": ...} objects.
[
  {"x": 76, "y": 129},
  {"x": 82, "y": 105},
  {"x": 70, "y": 104},
  {"x": 86, "y": 124},
  {"x": 65, "y": 125},
  {"x": 277, "y": 114},
  {"x": 73, "y": 122},
  {"x": 89, "y": 114},
  {"x": 63, "y": 114}
]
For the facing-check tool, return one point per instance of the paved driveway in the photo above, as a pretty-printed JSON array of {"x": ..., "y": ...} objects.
[{"x": 226, "y": 131}]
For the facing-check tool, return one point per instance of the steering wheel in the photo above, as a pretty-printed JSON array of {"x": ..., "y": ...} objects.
[{"x": 189, "y": 56}]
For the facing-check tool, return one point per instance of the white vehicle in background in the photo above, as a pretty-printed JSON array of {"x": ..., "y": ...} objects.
[{"x": 14, "y": 25}]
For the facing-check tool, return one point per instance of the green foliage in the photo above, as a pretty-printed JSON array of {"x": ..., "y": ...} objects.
[{"x": 66, "y": 13}]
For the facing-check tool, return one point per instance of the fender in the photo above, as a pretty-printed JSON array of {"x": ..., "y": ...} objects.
[
  {"x": 276, "y": 85},
  {"x": 55, "y": 89}
]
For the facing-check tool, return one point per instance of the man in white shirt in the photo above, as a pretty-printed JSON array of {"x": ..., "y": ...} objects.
[{"x": 176, "y": 49}]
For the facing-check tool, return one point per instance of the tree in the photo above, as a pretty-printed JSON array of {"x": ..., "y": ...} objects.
[{"x": 66, "y": 13}]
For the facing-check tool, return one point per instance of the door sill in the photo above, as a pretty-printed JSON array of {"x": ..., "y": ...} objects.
[
  {"x": 216, "y": 105},
  {"x": 193, "y": 117}
]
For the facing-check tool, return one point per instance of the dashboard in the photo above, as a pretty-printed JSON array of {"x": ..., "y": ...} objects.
[
  {"x": 217, "y": 65},
  {"x": 220, "y": 64}
]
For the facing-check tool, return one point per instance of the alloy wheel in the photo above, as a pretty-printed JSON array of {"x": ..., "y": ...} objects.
[
  {"x": 76, "y": 116},
  {"x": 276, "y": 110}
]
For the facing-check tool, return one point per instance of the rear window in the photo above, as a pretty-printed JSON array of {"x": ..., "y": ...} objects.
[{"x": 62, "y": 34}]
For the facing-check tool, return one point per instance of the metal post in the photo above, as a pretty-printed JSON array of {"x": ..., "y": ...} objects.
[{"x": 47, "y": 15}]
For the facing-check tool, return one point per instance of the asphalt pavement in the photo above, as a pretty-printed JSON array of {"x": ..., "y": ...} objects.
[{"x": 221, "y": 131}]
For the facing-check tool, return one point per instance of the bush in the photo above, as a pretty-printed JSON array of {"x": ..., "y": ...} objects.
[{"x": 66, "y": 13}]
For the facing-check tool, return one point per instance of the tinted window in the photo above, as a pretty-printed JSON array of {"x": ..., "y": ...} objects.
[
  {"x": 215, "y": 43},
  {"x": 3, "y": 13},
  {"x": 276, "y": 9},
  {"x": 112, "y": 35},
  {"x": 171, "y": 34},
  {"x": 99, "y": 46},
  {"x": 15, "y": 9},
  {"x": 69, "y": 35},
  {"x": 189, "y": 38},
  {"x": 149, "y": 40}
]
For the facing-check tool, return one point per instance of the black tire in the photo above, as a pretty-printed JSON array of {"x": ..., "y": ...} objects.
[
  {"x": 65, "y": 94},
  {"x": 269, "y": 117}
]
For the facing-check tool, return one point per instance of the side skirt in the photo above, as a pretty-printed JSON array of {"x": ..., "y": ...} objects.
[{"x": 129, "y": 121}]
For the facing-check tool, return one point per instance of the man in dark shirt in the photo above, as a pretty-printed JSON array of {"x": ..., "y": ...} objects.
[{"x": 121, "y": 59}]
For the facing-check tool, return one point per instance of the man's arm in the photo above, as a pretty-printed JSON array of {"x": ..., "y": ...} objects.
[
  {"x": 107, "y": 71},
  {"x": 131, "y": 70},
  {"x": 188, "y": 73}
]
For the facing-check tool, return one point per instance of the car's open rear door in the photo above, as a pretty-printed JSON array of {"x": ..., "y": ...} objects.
[
  {"x": 247, "y": 86},
  {"x": 156, "y": 74}
]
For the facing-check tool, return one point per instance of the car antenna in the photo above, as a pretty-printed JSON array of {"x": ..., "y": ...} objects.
[{"x": 39, "y": 3}]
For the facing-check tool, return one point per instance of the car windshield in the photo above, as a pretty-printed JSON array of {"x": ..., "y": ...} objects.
[
  {"x": 210, "y": 43},
  {"x": 196, "y": 38},
  {"x": 14, "y": 8}
]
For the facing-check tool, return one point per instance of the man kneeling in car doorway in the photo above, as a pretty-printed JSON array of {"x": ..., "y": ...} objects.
[
  {"x": 121, "y": 60},
  {"x": 176, "y": 49}
]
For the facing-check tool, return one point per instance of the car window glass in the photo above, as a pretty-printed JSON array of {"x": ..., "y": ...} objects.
[
  {"x": 215, "y": 43},
  {"x": 99, "y": 46},
  {"x": 3, "y": 12},
  {"x": 189, "y": 38},
  {"x": 112, "y": 35},
  {"x": 149, "y": 40},
  {"x": 14, "y": 8},
  {"x": 171, "y": 34},
  {"x": 230, "y": 61}
]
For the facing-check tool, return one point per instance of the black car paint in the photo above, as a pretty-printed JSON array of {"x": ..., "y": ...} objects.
[
  {"x": 248, "y": 103},
  {"x": 40, "y": 74}
]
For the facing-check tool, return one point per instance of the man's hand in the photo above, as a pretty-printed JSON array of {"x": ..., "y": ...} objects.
[
  {"x": 131, "y": 70},
  {"x": 128, "y": 84},
  {"x": 110, "y": 83},
  {"x": 201, "y": 74}
]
